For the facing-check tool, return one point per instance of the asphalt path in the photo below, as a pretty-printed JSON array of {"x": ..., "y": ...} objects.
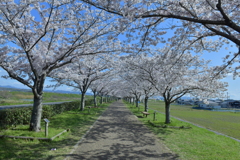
[
  {"x": 119, "y": 135},
  {"x": 29, "y": 105}
]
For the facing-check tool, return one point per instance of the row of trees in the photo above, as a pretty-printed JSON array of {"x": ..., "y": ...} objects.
[
  {"x": 73, "y": 41},
  {"x": 171, "y": 74},
  {"x": 39, "y": 37}
]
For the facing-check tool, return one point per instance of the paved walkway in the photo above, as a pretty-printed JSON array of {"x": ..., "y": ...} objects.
[{"x": 119, "y": 135}]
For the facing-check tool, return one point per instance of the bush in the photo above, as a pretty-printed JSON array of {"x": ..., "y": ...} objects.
[
  {"x": 47, "y": 111},
  {"x": 19, "y": 116},
  {"x": 15, "y": 116},
  {"x": 89, "y": 102}
]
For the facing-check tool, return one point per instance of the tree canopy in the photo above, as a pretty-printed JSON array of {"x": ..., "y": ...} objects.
[{"x": 73, "y": 41}]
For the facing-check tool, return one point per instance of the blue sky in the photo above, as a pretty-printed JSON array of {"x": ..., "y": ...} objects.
[{"x": 217, "y": 59}]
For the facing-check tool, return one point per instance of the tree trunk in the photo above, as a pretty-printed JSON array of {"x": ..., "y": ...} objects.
[
  {"x": 95, "y": 99},
  {"x": 137, "y": 104},
  {"x": 167, "y": 113},
  {"x": 146, "y": 104},
  {"x": 35, "y": 123},
  {"x": 101, "y": 99},
  {"x": 82, "y": 101}
]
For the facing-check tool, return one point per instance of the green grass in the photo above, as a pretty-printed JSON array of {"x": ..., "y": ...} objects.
[
  {"x": 23, "y": 130},
  {"x": 195, "y": 143},
  {"x": 18, "y": 97},
  {"x": 77, "y": 122},
  {"x": 223, "y": 122}
]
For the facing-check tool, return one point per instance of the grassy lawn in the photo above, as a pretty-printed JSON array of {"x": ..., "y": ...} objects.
[
  {"x": 223, "y": 122},
  {"x": 77, "y": 122},
  {"x": 195, "y": 143},
  {"x": 18, "y": 97}
]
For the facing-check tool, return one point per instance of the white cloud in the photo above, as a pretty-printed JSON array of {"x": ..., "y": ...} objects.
[{"x": 230, "y": 75}]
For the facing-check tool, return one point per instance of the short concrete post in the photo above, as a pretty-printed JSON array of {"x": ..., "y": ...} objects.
[
  {"x": 154, "y": 116},
  {"x": 46, "y": 126},
  {"x": 46, "y": 129}
]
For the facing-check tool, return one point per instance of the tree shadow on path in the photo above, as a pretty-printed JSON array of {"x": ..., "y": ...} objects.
[{"x": 119, "y": 135}]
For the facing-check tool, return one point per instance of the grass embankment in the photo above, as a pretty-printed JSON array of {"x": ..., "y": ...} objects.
[
  {"x": 223, "y": 122},
  {"x": 18, "y": 97},
  {"x": 195, "y": 143},
  {"x": 77, "y": 122}
]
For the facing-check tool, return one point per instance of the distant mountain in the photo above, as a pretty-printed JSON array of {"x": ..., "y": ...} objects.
[
  {"x": 62, "y": 91},
  {"x": 68, "y": 92},
  {"x": 8, "y": 86},
  {"x": 161, "y": 98},
  {"x": 11, "y": 88}
]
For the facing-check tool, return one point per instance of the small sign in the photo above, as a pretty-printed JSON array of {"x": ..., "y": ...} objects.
[{"x": 46, "y": 120}]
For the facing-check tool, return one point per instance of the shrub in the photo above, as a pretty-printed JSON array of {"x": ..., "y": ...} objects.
[
  {"x": 19, "y": 116},
  {"x": 89, "y": 102},
  {"x": 15, "y": 116}
]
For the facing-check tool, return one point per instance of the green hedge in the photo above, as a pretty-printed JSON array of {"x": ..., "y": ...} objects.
[
  {"x": 89, "y": 102},
  {"x": 51, "y": 110},
  {"x": 19, "y": 116},
  {"x": 14, "y": 116}
]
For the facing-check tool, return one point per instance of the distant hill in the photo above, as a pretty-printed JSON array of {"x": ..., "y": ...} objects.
[
  {"x": 161, "y": 98},
  {"x": 11, "y": 88},
  {"x": 8, "y": 86}
]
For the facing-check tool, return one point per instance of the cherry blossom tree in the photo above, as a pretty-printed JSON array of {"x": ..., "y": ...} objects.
[
  {"x": 132, "y": 75},
  {"x": 132, "y": 83},
  {"x": 96, "y": 88},
  {"x": 148, "y": 92},
  {"x": 38, "y": 37},
  {"x": 198, "y": 20},
  {"x": 106, "y": 85},
  {"x": 175, "y": 73},
  {"x": 109, "y": 88},
  {"x": 137, "y": 94},
  {"x": 100, "y": 88},
  {"x": 83, "y": 72}
]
